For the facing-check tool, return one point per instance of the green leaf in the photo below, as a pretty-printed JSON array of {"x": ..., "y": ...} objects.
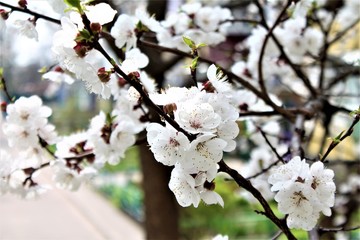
[
  {"x": 51, "y": 148},
  {"x": 338, "y": 137},
  {"x": 73, "y": 3},
  {"x": 189, "y": 42},
  {"x": 194, "y": 63},
  {"x": 43, "y": 70},
  {"x": 355, "y": 112},
  {"x": 84, "y": 35},
  {"x": 1, "y": 72},
  {"x": 201, "y": 45}
]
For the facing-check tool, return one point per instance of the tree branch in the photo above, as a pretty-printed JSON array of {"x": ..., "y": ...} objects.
[
  {"x": 26, "y": 10},
  {"x": 246, "y": 184},
  {"x": 337, "y": 140}
]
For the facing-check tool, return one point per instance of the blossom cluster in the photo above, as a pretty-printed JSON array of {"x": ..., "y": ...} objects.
[
  {"x": 203, "y": 24},
  {"x": 81, "y": 155},
  {"x": 26, "y": 126},
  {"x": 26, "y": 130},
  {"x": 303, "y": 192},
  {"x": 211, "y": 119}
]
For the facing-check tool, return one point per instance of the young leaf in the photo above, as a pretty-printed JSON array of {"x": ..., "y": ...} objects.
[
  {"x": 194, "y": 63},
  {"x": 73, "y": 3},
  {"x": 189, "y": 42},
  {"x": 201, "y": 45}
]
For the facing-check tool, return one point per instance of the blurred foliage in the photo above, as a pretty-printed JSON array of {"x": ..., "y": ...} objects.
[
  {"x": 237, "y": 219},
  {"x": 129, "y": 163}
]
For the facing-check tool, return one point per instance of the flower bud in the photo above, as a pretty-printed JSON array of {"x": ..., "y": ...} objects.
[
  {"x": 80, "y": 50},
  {"x": 244, "y": 107},
  {"x": 209, "y": 185},
  {"x": 121, "y": 82},
  {"x": 3, "y": 106},
  {"x": 95, "y": 27},
  {"x": 4, "y": 14},
  {"x": 104, "y": 75},
  {"x": 134, "y": 76},
  {"x": 170, "y": 108},
  {"x": 208, "y": 87},
  {"x": 22, "y": 3},
  {"x": 58, "y": 69}
]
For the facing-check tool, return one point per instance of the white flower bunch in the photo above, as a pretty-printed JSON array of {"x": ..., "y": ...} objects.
[
  {"x": 73, "y": 51},
  {"x": 303, "y": 192},
  {"x": 212, "y": 119},
  {"x": 27, "y": 122},
  {"x": 202, "y": 24},
  {"x": 111, "y": 136}
]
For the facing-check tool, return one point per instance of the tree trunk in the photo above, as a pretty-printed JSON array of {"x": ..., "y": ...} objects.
[{"x": 161, "y": 209}]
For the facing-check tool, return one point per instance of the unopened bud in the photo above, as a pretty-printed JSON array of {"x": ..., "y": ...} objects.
[
  {"x": 134, "y": 75},
  {"x": 22, "y": 3},
  {"x": 80, "y": 50},
  {"x": 170, "y": 108},
  {"x": 244, "y": 107},
  {"x": 104, "y": 75},
  {"x": 4, "y": 14},
  {"x": 209, "y": 185},
  {"x": 95, "y": 27},
  {"x": 3, "y": 106},
  {"x": 121, "y": 82},
  {"x": 58, "y": 69},
  {"x": 247, "y": 73},
  {"x": 208, "y": 87}
]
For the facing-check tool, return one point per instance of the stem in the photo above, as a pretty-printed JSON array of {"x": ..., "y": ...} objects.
[
  {"x": 296, "y": 68},
  {"x": 137, "y": 85},
  {"x": 246, "y": 184},
  {"x": 262, "y": 54},
  {"x": 26, "y": 10},
  {"x": 231, "y": 75},
  {"x": 343, "y": 32},
  {"x": 270, "y": 145},
  {"x": 4, "y": 87},
  {"x": 334, "y": 143}
]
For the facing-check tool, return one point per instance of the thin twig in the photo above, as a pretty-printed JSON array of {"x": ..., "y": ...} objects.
[
  {"x": 341, "y": 229},
  {"x": 298, "y": 71},
  {"x": 246, "y": 184},
  {"x": 35, "y": 14},
  {"x": 264, "y": 170},
  {"x": 270, "y": 145},
  {"x": 343, "y": 32},
  {"x": 5, "y": 89},
  {"x": 335, "y": 142}
]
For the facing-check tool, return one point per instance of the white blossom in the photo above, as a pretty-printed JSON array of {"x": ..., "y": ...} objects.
[
  {"x": 100, "y": 13},
  {"x": 183, "y": 186},
  {"x": 124, "y": 31},
  {"x": 27, "y": 28},
  {"x": 168, "y": 145},
  {"x": 71, "y": 179}
]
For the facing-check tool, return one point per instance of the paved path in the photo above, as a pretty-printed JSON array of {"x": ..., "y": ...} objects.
[{"x": 63, "y": 215}]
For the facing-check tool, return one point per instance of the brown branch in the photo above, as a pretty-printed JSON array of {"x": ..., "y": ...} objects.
[
  {"x": 264, "y": 91},
  {"x": 5, "y": 89},
  {"x": 270, "y": 145},
  {"x": 244, "y": 20},
  {"x": 136, "y": 84},
  {"x": 246, "y": 184},
  {"x": 341, "y": 229},
  {"x": 343, "y": 32},
  {"x": 246, "y": 84},
  {"x": 298, "y": 71},
  {"x": 35, "y": 14},
  {"x": 264, "y": 170}
]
